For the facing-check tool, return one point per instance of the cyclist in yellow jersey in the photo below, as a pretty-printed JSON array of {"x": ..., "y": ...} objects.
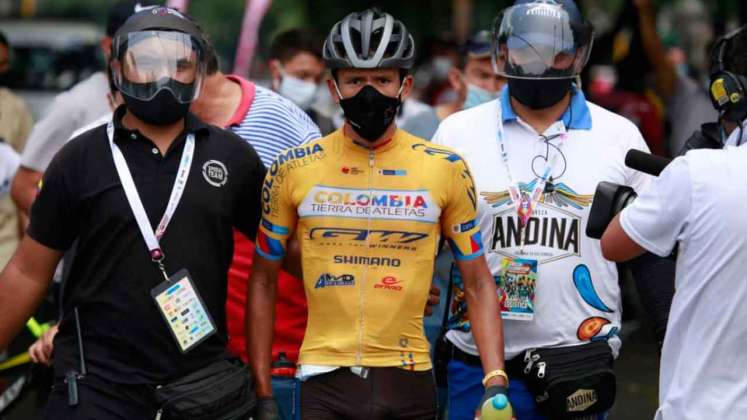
[{"x": 368, "y": 205}]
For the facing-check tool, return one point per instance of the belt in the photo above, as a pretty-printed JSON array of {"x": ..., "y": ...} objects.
[{"x": 514, "y": 367}]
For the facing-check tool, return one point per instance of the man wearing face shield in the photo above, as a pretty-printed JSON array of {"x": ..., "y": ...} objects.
[
  {"x": 537, "y": 153},
  {"x": 368, "y": 204},
  {"x": 150, "y": 198},
  {"x": 473, "y": 78}
]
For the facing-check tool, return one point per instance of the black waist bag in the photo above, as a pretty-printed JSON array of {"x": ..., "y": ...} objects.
[
  {"x": 220, "y": 391},
  {"x": 570, "y": 382}
]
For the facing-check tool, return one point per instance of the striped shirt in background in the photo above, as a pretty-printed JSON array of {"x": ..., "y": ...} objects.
[{"x": 273, "y": 124}]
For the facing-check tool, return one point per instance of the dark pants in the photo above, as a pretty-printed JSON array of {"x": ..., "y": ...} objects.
[
  {"x": 101, "y": 400},
  {"x": 386, "y": 394}
]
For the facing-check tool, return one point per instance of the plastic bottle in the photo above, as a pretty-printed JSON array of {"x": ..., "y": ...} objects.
[{"x": 497, "y": 408}]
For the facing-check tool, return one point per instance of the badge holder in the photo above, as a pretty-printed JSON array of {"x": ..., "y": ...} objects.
[{"x": 181, "y": 306}]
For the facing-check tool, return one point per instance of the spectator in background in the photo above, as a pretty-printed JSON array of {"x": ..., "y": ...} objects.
[
  {"x": 687, "y": 102},
  {"x": 297, "y": 69},
  {"x": 71, "y": 110},
  {"x": 472, "y": 77},
  {"x": 15, "y": 126},
  {"x": 633, "y": 95}
]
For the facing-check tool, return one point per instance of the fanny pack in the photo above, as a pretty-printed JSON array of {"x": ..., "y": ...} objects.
[
  {"x": 220, "y": 391},
  {"x": 571, "y": 382}
]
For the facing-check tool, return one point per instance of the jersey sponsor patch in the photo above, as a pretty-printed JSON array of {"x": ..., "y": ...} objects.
[
  {"x": 413, "y": 205},
  {"x": 389, "y": 283},
  {"x": 330, "y": 280}
]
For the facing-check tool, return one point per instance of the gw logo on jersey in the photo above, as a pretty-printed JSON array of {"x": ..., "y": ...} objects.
[
  {"x": 351, "y": 234},
  {"x": 363, "y": 238}
]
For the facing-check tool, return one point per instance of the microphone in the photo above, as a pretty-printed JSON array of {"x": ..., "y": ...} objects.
[{"x": 646, "y": 162}]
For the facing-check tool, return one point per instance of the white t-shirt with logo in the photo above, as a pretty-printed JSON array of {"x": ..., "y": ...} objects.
[
  {"x": 577, "y": 297},
  {"x": 698, "y": 202}
]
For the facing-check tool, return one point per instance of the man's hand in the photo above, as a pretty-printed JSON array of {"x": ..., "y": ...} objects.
[
  {"x": 434, "y": 298},
  {"x": 267, "y": 409},
  {"x": 41, "y": 350}
]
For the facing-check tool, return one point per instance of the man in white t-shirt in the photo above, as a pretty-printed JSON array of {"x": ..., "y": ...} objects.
[
  {"x": 696, "y": 206},
  {"x": 540, "y": 148},
  {"x": 697, "y": 202}
]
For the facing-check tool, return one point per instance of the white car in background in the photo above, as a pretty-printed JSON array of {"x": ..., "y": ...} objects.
[{"x": 49, "y": 57}]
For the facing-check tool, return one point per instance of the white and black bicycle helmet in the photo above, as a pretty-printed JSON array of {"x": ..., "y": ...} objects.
[{"x": 367, "y": 40}]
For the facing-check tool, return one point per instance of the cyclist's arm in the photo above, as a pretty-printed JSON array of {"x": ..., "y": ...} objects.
[
  {"x": 23, "y": 284},
  {"x": 487, "y": 327},
  {"x": 260, "y": 319},
  {"x": 459, "y": 226},
  {"x": 273, "y": 240}
]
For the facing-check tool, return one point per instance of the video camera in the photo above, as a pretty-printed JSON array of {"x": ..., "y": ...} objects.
[{"x": 611, "y": 198}]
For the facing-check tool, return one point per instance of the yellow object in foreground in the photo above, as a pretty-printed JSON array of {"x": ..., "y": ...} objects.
[{"x": 15, "y": 361}]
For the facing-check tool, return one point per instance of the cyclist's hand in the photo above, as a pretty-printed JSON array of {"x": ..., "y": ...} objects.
[
  {"x": 267, "y": 409},
  {"x": 41, "y": 350},
  {"x": 434, "y": 297}
]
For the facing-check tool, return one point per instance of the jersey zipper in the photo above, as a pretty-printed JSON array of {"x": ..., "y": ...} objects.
[{"x": 362, "y": 302}]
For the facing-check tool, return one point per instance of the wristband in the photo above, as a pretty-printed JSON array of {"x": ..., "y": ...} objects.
[{"x": 492, "y": 374}]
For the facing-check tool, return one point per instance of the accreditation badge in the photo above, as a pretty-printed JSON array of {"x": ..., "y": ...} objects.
[
  {"x": 183, "y": 310},
  {"x": 516, "y": 286}
]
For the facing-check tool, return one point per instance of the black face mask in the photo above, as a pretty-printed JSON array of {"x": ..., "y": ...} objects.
[
  {"x": 163, "y": 109},
  {"x": 539, "y": 94},
  {"x": 370, "y": 112}
]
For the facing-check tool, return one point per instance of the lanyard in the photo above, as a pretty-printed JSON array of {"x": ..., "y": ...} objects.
[
  {"x": 525, "y": 203},
  {"x": 133, "y": 198}
]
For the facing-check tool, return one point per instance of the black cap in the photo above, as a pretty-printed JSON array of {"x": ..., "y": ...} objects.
[
  {"x": 122, "y": 10},
  {"x": 478, "y": 45}
]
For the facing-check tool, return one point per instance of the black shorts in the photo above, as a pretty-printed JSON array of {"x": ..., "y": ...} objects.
[{"x": 385, "y": 393}]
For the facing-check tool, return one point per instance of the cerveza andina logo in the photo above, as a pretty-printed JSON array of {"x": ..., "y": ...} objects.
[{"x": 552, "y": 233}]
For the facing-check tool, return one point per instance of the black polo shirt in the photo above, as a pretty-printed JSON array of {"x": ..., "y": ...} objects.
[{"x": 124, "y": 336}]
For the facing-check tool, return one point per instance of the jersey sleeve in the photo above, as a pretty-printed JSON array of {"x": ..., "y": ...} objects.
[
  {"x": 657, "y": 218},
  {"x": 458, "y": 222},
  {"x": 278, "y": 213}
]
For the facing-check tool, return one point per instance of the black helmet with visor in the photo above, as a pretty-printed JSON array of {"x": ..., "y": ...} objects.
[
  {"x": 541, "y": 39},
  {"x": 157, "y": 50}
]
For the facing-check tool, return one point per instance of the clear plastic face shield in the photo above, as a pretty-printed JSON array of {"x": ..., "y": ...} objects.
[
  {"x": 147, "y": 62},
  {"x": 540, "y": 41}
]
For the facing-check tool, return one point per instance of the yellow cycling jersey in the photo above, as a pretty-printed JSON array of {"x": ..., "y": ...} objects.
[{"x": 369, "y": 223}]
